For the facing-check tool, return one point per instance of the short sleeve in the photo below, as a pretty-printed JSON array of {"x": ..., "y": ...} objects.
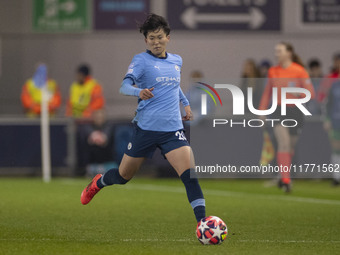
[
  {"x": 304, "y": 74},
  {"x": 180, "y": 61},
  {"x": 306, "y": 82},
  {"x": 136, "y": 68}
]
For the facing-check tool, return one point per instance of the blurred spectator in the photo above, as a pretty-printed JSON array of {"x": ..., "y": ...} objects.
[
  {"x": 332, "y": 125},
  {"x": 194, "y": 96},
  {"x": 97, "y": 144},
  {"x": 264, "y": 67},
  {"x": 250, "y": 79},
  {"x": 315, "y": 73},
  {"x": 85, "y": 94},
  {"x": 31, "y": 97},
  {"x": 327, "y": 83},
  {"x": 196, "y": 76},
  {"x": 336, "y": 64},
  {"x": 315, "y": 68}
]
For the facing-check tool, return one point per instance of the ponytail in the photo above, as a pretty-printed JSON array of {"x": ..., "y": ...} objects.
[{"x": 295, "y": 57}]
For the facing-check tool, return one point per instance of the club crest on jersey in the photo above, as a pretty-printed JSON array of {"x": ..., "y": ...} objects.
[
  {"x": 177, "y": 68},
  {"x": 129, "y": 146}
]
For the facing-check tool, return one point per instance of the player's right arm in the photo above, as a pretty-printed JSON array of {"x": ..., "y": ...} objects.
[
  {"x": 134, "y": 73},
  {"x": 267, "y": 93},
  {"x": 129, "y": 89}
]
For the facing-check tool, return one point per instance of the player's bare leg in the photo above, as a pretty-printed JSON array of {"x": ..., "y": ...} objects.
[
  {"x": 283, "y": 155},
  {"x": 129, "y": 166},
  {"x": 181, "y": 159}
]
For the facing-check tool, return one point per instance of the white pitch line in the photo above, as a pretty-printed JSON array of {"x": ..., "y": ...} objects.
[
  {"x": 158, "y": 240},
  {"x": 224, "y": 193},
  {"x": 171, "y": 240},
  {"x": 288, "y": 241}
]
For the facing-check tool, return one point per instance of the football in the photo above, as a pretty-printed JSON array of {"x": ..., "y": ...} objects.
[{"x": 211, "y": 230}]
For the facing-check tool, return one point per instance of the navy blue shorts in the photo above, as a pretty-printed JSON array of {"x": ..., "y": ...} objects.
[{"x": 143, "y": 143}]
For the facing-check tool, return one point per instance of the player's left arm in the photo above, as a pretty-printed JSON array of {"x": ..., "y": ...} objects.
[
  {"x": 183, "y": 99},
  {"x": 307, "y": 83},
  {"x": 185, "y": 102},
  {"x": 188, "y": 113}
]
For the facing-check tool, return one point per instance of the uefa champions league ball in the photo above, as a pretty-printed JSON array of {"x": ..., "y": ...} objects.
[{"x": 211, "y": 230}]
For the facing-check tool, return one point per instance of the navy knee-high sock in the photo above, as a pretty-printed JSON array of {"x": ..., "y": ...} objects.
[
  {"x": 111, "y": 177},
  {"x": 194, "y": 193}
]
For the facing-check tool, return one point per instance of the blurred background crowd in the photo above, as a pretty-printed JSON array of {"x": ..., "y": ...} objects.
[{"x": 87, "y": 46}]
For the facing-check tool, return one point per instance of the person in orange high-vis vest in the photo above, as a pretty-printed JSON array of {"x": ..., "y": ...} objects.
[
  {"x": 31, "y": 98},
  {"x": 86, "y": 95}
]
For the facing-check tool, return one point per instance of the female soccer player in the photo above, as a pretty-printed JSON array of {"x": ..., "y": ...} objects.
[
  {"x": 158, "y": 123},
  {"x": 288, "y": 73}
]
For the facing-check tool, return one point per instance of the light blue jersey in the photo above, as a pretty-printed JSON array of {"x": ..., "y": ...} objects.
[{"x": 161, "y": 112}]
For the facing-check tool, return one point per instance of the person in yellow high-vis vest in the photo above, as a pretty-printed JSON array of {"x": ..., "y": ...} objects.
[
  {"x": 86, "y": 95},
  {"x": 31, "y": 97}
]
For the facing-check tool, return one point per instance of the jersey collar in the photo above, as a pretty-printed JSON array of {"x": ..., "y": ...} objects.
[{"x": 149, "y": 52}]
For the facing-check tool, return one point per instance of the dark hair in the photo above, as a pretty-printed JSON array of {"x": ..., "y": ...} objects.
[
  {"x": 84, "y": 69},
  {"x": 295, "y": 57},
  {"x": 154, "y": 22},
  {"x": 265, "y": 63},
  {"x": 255, "y": 70},
  {"x": 314, "y": 63}
]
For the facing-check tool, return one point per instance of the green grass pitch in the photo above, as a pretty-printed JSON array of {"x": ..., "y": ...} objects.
[{"x": 153, "y": 216}]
